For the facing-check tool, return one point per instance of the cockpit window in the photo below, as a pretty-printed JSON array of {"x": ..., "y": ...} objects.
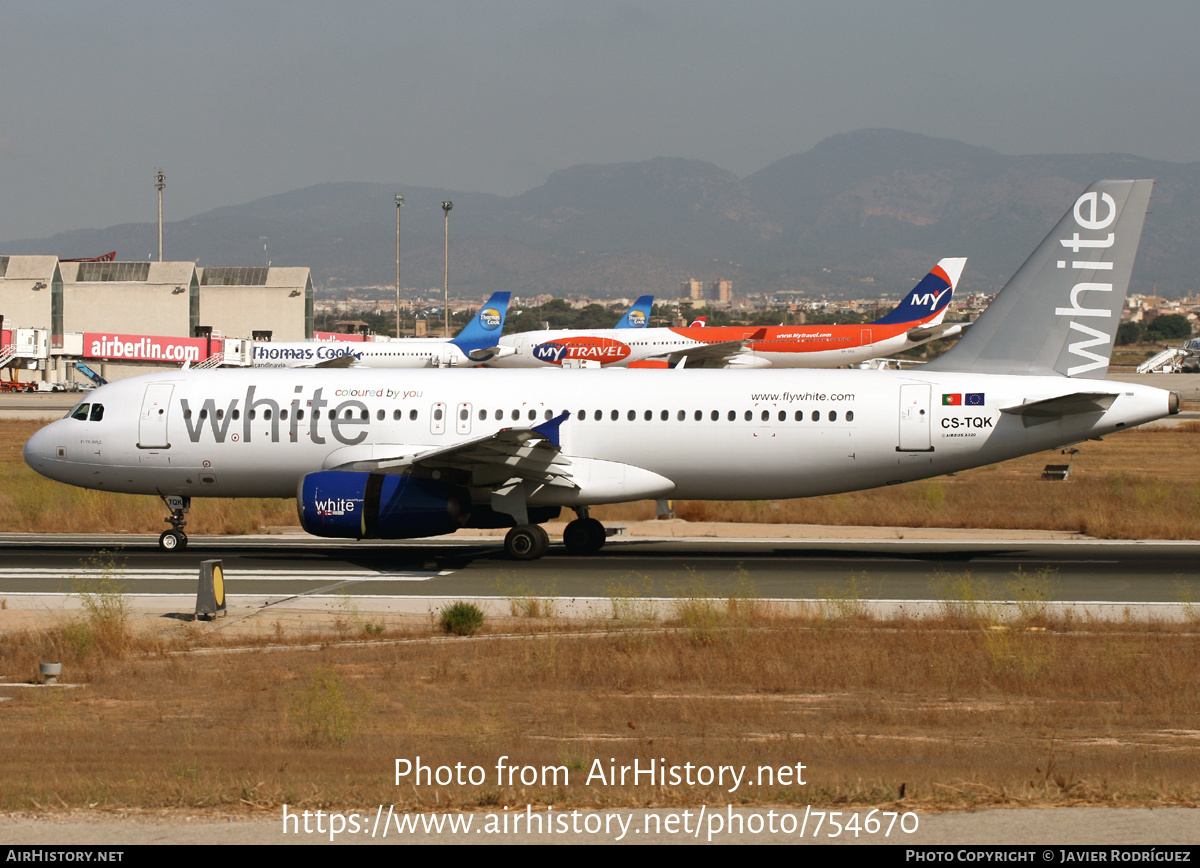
[
  {"x": 97, "y": 412},
  {"x": 81, "y": 412}
]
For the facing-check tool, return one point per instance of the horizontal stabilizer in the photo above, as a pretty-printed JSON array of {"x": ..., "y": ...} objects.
[
  {"x": 923, "y": 334},
  {"x": 337, "y": 362},
  {"x": 1051, "y": 409}
]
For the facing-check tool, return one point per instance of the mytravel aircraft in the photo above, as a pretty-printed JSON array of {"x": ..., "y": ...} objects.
[
  {"x": 915, "y": 321},
  {"x": 399, "y": 454}
]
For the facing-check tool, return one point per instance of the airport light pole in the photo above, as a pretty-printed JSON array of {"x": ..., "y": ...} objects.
[
  {"x": 399, "y": 205},
  {"x": 160, "y": 181},
  {"x": 446, "y": 206}
]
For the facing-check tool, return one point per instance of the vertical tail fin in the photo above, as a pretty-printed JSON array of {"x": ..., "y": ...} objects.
[
  {"x": 638, "y": 315},
  {"x": 927, "y": 303},
  {"x": 1059, "y": 313},
  {"x": 485, "y": 328}
]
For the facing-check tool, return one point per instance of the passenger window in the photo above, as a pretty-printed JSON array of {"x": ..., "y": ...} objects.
[
  {"x": 266, "y": 414},
  {"x": 98, "y": 412},
  {"x": 849, "y": 415},
  {"x": 664, "y": 415},
  {"x": 499, "y": 415},
  {"x": 782, "y": 415},
  {"x": 733, "y": 415},
  {"x": 204, "y": 414},
  {"x": 799, "y": 415},
  {"x": 599, "y": 415},
  {"x": 648, "y": 415},
  {"x": 816, "y": 415},
  {"x": 237, "y": 414},
  {"x": 716, "y": 414},
  {"x": 614, "y": 414},
  {"x": 437, "y": 414},
  {"x": 364, "y": 415},
  {"x": 412, "y": 414},
  {"x": 396, "y": 415},
  {"x": 766, "y": 415},
  {"x": 282, "y": 414},
  {"x": 749, "y": 415},
  {"x": 483, "y": 415},
  {"x": 463, "y": 414},
  {"x": 532, "y": 415},
  {"x": 378, "y": 415},
  {"x": 631, "y": 415},
  {"x": 581, "y": 415},
  {"x": 681, "y": 415},
  {"x": 699, "y": 415},
  {"x": 833, "y": 415},
  {"x": 516, "y": 414}
]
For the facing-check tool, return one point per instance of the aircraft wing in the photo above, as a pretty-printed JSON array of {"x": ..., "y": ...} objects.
[
  {"x": 717, "y": 355},
  {"x": 531, "y": 454},
  {"x": 1051, "y": 409}
]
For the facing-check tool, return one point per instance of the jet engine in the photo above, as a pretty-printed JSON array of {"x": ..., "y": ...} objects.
[{"x": 356, "y": 505}]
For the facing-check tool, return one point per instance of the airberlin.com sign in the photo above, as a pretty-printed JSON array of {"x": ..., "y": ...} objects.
[{"x": 143, "y": 348}]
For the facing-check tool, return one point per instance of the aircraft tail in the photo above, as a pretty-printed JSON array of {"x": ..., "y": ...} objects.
[
  {"x": 1059, "y": 313},
  {"x": 638, "y": 315},
  {"x": 929, "y": 300},
  {"x": 485, "y": 328}
]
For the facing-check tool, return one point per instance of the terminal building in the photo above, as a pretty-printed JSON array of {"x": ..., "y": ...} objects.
[{"x": 125, "y": 318}]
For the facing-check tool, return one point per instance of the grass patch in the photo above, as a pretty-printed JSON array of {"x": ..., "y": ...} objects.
[{"x": 461, "y": 619}]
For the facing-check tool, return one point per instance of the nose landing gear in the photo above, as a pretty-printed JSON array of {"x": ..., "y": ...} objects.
[{"x": 175, "y": 539}]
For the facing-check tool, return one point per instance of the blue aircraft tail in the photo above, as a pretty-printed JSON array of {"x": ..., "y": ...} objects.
[
  {"x": 931, "y": 296},
  {"x": 639, "y": 315},
  {"x": 485, "y": 329}
]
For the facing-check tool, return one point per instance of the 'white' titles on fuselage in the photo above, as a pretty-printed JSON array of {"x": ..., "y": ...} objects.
[
  {"x": 1086, "y": 207},
  {"x": 265, "y": 411}
]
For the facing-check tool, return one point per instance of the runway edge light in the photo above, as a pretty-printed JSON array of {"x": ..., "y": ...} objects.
[{"x": 210, "y": 594}]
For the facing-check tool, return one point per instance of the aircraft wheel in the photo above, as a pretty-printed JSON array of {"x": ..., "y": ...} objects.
[
  {"x": 172, "y": 540},
  {"x": 584, "y": 536},
  {"x": 526, "y": 542}
]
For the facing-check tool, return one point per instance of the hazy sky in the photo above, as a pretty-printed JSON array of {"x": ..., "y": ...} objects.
[{"x": 237, "y": 100}]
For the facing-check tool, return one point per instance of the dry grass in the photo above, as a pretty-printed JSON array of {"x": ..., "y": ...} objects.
[
  {"x": 951, "y": 712},
  {"x": 1140, "y": 484}
]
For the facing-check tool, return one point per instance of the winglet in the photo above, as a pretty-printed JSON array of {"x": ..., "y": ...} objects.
[
  {"x": 549, "y": 430},
  {"x": 638, "y": 315}
]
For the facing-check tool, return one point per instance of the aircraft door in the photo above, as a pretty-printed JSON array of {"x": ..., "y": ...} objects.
[
  {"x": 437, "y": 418},
  {"x": 152, "y": 424},
  {"x": 463, "y": 416},
  {"x": 915, "y": 418}
]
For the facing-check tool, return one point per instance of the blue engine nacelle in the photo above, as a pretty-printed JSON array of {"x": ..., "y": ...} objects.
[{"x": 354, "y": 505}]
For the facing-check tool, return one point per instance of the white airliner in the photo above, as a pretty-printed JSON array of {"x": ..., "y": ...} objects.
[
  {"x": 474, "y": 345},
  {"x": 403, "y": 454},
  {"x": 915, "y": 321}
]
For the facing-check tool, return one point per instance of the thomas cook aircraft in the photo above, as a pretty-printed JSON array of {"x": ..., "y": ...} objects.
[
  {"x": 915, "y": 321},
  {"x": 403, "y": 454},
  {"x": 474, "y": 345}
]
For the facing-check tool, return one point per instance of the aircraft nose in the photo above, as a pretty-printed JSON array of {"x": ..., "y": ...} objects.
[{"x": 40, "y": 449}]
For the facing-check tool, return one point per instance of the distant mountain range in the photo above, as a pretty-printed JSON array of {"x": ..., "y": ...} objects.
[{"x": 861, "y": 214}]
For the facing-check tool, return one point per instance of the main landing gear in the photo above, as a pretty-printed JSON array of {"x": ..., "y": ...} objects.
[
  {"x": 175, "y": 540},
  {"x": 583, "y": 536}
]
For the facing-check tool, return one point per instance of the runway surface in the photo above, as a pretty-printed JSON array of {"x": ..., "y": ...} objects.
[{"x": 274, "y": 567}]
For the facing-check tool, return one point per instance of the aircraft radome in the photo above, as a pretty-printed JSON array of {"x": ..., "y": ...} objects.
[
  {"x": 474, "y": 345},
  {"x": 915, "y": 321},
  {"x": 403, "y": 454}
]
